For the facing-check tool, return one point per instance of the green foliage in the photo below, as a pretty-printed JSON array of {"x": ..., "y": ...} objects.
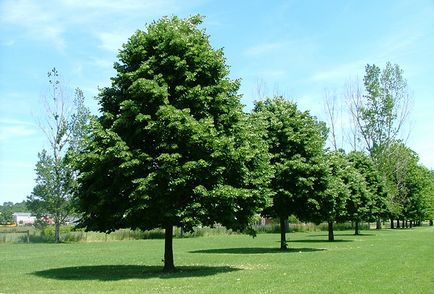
[
  {"x": 172, "y": 147},
  {"x": 295, "y": 141},
  {"x": 6, "y": 216},
  {"x": 332, "y": 201},
  {"x": 384, "y": 107}
]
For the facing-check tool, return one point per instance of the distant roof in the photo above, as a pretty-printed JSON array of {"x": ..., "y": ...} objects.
[{"x": 21, "y": 214}]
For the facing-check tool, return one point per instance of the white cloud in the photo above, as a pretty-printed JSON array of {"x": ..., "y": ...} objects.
[
  {"x": 10, "y": 129},
  {"x": 49, "y": 20}
]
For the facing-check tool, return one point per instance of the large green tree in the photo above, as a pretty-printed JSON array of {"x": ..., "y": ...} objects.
[
  {"x": 56, "y": 179},
  {"x": 172, "y": 147},
  {"x": 296, "y": 142}
]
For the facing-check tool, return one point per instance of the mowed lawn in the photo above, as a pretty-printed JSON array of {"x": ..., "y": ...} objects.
[{"x": 386, "y": 261}]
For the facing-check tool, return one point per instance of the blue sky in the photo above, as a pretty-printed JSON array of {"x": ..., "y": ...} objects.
[{"x": 295, "y": 48}]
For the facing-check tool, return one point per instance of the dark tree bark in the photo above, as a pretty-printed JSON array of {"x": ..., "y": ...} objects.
[
  {"x": 283, "y": 224},
  {"x": 431, "y": 222},
  {"x": 397, "y": 224},
  {"x": 378, "y": 227},
  {"x": 169, "y": 265},
  {"x": 411, "y": 224},
  {"x": 331, "y": 234},
  {"x": 356, "y": 229},
  {"x": 392, "y": 225}
]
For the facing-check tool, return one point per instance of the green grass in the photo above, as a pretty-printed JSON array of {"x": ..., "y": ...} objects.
[{"x": 387, "y": 261}]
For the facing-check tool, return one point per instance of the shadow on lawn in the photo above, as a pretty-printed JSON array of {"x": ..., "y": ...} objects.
[
  {"x": 255, "y": 250},
  {"x": 123, "y": 272},
  {"x": 319, "y": 241},
  {"x": 342, "y": 234}
]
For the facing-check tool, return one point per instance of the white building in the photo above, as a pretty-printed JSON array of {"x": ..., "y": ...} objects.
[{"x": 23, "y": 218}]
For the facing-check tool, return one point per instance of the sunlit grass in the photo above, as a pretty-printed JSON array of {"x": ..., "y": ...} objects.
[{"x": 387, "y": 261}]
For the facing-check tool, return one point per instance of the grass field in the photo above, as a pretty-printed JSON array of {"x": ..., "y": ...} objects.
[{"x": 386, "y": 261}]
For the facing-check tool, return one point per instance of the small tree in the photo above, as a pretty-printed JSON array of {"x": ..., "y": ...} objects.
[
  {"x": 376, "y": 205},
  {"x": 333, "y": 200},
  {"x": 172, "y": 147},
  {"x": 295, "y": 143},
  {"x": 56, "y": 181}
]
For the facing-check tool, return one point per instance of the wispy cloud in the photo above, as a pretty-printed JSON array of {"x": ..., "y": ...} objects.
[
  {"x": 10, "y": 129},
  {"x": 38, "y": 21},
  {"x": 338, "y": 73},
  {"x": 264, "y": 48},
  {"x": 112, "y": 41},
  {"x": 48, "y": 21}
]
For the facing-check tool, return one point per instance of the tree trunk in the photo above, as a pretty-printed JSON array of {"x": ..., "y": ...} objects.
[
  {"x": 356, "y": 230},
  {"x": 57, "y": 232},
  {"x": 331, "y": 234},
  {"x": 431, "y": 222},
  {"x": 411, "y": 224},
  {"x": 378, "y": 224},
  {"x": 392, "y": 225},
  {"x": 397, "y": 224},
  {"x": 169, "y": 265},
  {"x": 283, "y": 245}
]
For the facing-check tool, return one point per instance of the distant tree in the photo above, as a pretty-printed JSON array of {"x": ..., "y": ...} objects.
[
  {"x": 56, "y": 180},
  {"x": 172, "y": 147},
  {"x": 359, "y": 203},
  {"x": 332, "y": 201},
  {"x": 381, "y": 112},
  {"x": 410, "y": 185},
  {"x": 295, "y": 141},
  {"x": 376, "y": 206},
  {"x": 6, "y": 215}
]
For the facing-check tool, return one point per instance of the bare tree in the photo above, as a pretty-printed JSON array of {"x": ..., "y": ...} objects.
[{"x": 55, "y": 182}]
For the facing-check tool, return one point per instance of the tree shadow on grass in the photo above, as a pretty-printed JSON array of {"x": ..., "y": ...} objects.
[
  {"x": 256, "y": 250},
  {"x": 124, "y": 272},
  {"x": 325, "y": 240},
  {"x": 342, "y": 234}
]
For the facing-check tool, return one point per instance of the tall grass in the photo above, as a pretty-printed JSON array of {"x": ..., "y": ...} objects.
[
  {"x": 307, "y": 227},
  {"x": 70, "y": 234}
]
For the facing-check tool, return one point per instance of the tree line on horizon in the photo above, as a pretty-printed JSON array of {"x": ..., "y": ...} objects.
[{"x": 172, "y": 146}]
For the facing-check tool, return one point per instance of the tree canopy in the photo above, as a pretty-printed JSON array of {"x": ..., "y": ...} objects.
[
  {"x": 172, "y": 146},
  {"x": 296, "y": 142}
]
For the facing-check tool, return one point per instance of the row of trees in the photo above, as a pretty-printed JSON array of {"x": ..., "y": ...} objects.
[{"x": 172, "y": 147}]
